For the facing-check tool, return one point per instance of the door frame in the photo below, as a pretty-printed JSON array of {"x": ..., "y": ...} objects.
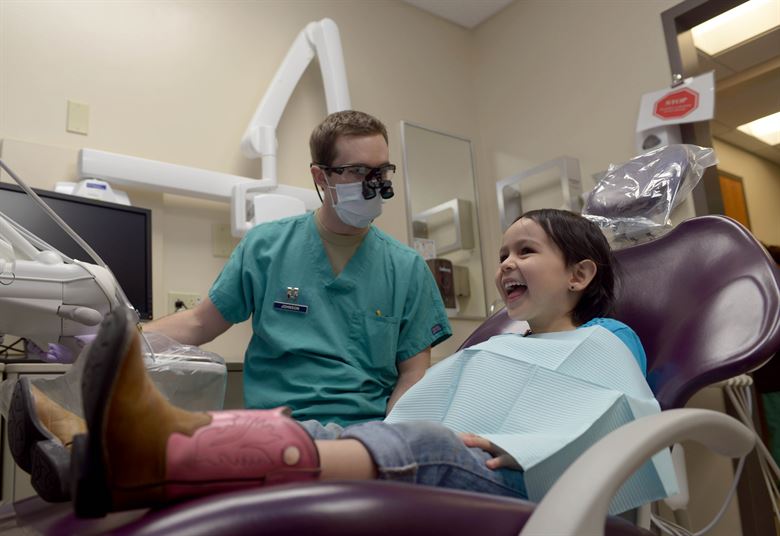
[{"x": 677, "y": 23}]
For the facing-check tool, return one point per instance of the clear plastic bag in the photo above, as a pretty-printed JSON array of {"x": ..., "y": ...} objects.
[
  {"x": 633, "y": 202},
  {"x": 187, "y": 376}
]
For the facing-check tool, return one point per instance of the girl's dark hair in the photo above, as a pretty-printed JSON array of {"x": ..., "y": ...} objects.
[{"x": 578, "y": 239}]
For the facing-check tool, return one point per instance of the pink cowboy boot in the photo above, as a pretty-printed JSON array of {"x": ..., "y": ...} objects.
[{"x": 142, "y": 451}]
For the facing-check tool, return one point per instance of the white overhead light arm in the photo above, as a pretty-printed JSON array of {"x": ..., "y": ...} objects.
[
  {"x": 270, "y": 200},
  {"x": 320, "y": 39}
]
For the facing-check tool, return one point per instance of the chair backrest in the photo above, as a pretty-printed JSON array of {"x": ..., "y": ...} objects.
[
  {"x": 704, "y": 300},
  {"x": 496, "y": 324}
]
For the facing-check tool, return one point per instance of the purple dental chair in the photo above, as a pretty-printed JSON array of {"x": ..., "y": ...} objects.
[{"x": 705, "y": 301}]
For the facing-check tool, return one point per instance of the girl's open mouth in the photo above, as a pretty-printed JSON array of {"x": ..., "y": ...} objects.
[{"x": 514, "y": 290}]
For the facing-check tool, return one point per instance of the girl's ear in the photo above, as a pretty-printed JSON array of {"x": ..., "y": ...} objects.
[{"x": 582, "y": 273}]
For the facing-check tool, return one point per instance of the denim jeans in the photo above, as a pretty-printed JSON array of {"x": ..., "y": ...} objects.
[{"x": 425, "y": 453}]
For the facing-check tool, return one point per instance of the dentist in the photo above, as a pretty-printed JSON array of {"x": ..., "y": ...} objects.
[{"x": 343, "y": 315}]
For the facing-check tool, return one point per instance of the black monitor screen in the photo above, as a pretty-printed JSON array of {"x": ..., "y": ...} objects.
[{"x": 121, "y": 235}]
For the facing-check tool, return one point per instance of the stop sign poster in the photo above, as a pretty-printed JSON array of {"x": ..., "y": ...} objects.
[
  {"x": 676, "y": 104},
  {"x": 691, "y": 101}
]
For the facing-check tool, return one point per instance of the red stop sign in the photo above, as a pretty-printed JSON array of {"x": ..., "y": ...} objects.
[{"x": 676, "y": 104}]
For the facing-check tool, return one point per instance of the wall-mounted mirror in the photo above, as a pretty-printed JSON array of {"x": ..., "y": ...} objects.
[
  {"x": 441, "y": 204},
  {"x": 552, "y": 184}
]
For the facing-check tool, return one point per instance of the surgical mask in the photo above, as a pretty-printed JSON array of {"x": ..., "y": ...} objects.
[{"x": 352, "y": 208}]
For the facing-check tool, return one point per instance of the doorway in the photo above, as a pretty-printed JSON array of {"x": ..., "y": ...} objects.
[
  {"x": 732, "y": 190},
  {"x": 746, "y": 183},
  {"x": 747, "y": 87}
]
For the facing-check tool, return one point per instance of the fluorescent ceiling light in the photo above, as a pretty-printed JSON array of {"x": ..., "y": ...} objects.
[
  {"x": 766, "y": 129},
  {"x": 736, "y": 25}
]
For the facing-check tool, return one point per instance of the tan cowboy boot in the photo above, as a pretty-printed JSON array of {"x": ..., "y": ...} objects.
[
  {"x": 40, "y": 433},
  {"x": 142, "y": 451}
]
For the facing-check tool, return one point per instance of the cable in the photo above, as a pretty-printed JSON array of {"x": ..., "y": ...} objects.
[
  {"x": 120, "y": 293},
  {"x": 740, "y": 407},
  {"x": 6, "y": 349},
  {"x": 741, "y": 397},
  {"x": 53, "y": 215},
  {"x": 33, "y": 239},
  {"x": 664, "y": 523},
  {"x": 738, "y": 391},
  {"x": 669, "y": 527},
  {"x": 727, "y": 501},
  {"x": 742, "y": 400}
]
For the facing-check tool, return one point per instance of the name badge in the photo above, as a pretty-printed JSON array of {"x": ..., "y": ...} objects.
[
  {"x": 292, "y": 307},
  {"x": 290, "y": 301}
]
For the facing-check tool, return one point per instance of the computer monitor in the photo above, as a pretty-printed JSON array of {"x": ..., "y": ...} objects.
[{"x": 120, "y": 234}]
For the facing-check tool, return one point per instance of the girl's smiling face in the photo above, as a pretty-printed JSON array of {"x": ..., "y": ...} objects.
[{"x": 534, "y": 281}]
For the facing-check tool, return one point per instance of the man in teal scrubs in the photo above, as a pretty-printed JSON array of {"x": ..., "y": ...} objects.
[{"x": 343, "y": 315}]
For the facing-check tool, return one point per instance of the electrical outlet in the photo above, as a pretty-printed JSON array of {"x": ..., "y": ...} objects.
[{"x": 188, "y": 301}]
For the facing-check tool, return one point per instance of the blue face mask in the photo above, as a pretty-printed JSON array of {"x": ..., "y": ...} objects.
[{"x": 352, "y": 209}]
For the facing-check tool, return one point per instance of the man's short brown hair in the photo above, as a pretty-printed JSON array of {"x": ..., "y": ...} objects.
[{"x": 322, "y": 142}]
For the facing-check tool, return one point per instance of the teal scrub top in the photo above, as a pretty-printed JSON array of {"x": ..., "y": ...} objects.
[{"x": 337, "y": 361}]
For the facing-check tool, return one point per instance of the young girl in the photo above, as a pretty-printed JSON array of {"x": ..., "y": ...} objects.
[{"x": 555, "y": 272}]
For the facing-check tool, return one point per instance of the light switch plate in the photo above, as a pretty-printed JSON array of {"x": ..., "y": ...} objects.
[{"x": 78, "y": 118}]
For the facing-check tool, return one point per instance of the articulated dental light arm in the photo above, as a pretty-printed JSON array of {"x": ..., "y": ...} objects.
[
  {"x": 269, "y": 199},
  {"x": 201, "y": 183},
  {"x": 320, "y": 39}
]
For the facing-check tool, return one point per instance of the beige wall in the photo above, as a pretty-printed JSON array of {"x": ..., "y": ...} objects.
[
  {"x": 562, "y": 78},
  {"x": 179, "y": 81},
  {"x": 761, "y": 181},
  {"x": 565, "y": 78}
]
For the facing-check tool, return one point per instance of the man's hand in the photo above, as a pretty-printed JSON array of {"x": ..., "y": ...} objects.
[{"x": 501, "y": 458}]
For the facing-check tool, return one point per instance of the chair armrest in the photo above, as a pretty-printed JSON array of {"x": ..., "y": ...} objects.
[{"x": 586, "y": 488}]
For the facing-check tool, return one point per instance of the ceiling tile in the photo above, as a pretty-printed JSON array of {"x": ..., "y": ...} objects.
[
  {"x": 753, "y": 52},
  {"x": 753, "y": 99}
]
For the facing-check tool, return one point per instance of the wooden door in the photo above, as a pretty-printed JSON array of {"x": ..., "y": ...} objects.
[{"x": 733, "y": 193}]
